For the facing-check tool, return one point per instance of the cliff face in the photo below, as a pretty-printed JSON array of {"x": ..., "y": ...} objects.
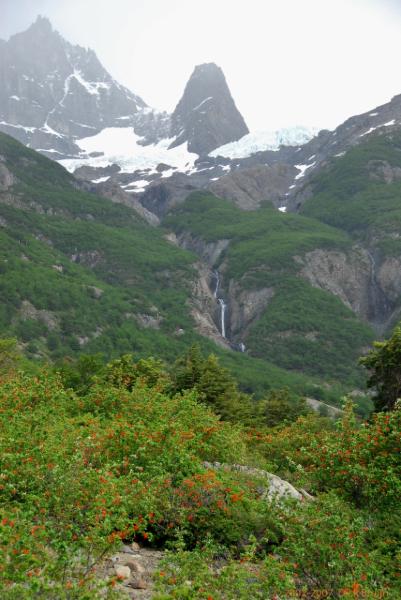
[{"x": 206, "y": 116}]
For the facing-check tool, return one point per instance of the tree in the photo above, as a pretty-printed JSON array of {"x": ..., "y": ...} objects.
[
  {"x": 79, "y": 374},
  {"x": 384, "y": 365},
  {"x": 214, "y": 384},
  {"x": 279, "y": 407},
  {"x": 9, "y": 355}
]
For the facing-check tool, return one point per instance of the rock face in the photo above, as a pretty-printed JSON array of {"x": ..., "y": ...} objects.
[
  {"x": 6, "y": 177},
  {"x": 346, "y": 276},
  {"x": 369, "y": 286},
  {"x": 52, "y": 92},
  {"x": 246, "y": 306},
  {"x": 206, "y": 116},
  {"x": 249, "y": 187}
]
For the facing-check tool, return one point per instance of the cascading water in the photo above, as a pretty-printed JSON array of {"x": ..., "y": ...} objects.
[
  {"x": 223, "y": 307},
  {"x": 221, "y": 303},
  {"x": 216, "y": 289},
  {"x": 222, "y": 316}
]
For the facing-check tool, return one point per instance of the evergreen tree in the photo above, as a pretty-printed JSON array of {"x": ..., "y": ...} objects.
[{"x": 384, "y": 365}]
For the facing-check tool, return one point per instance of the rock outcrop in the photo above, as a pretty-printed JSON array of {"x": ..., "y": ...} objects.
[
  {"x": 246, "y": 307},
  {"x": 276, "y": 488},
  {"x": 249, "y": 187},
  {"x": 206, "y": 116}
]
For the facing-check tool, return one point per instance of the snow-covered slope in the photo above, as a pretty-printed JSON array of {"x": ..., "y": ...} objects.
[
  {"x": 259, "y": 141},
  {"x": 121, "y": 146}
]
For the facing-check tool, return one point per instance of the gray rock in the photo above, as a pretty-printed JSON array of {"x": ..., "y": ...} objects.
[
  {"x": 277, "y": 488},
  {"x": 206, "y": 116},
  {"x": 122, "y": 571}
]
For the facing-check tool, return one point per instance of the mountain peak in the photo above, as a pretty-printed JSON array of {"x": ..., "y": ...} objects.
[
  {"x": 206, "y": 116},
  {"x": 208, "y": 68},
  {"x": 42, "y": 25}
]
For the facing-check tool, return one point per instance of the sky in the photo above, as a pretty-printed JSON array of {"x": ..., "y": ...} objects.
[{"x": 287, "y": 62}]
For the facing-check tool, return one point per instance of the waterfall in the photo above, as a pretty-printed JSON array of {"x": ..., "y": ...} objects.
[
  {"x": 216, "y": 289},
  {"x": 222, "y": 316}
]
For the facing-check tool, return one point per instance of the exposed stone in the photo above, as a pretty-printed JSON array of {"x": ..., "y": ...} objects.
[
  {"x": 29, "y": 311},
  {"x": 210, "y": 252},
  {"x": 277, "y": 489},
  {"x": 135, "y": 566},
  {"x": 122, "y": 571},
  {"x": 246, "y": 306},
  {"x": 36, "y": 68},
  {"x": 138, "y": 584},
  {"x": 96, "y": 292},
  {"x": 90, "y": 258},
  {"x": 364, "y": 284},
  {"x": 6, "y": 178},
  {"x": 149, "y": 321},
  {"x": 206, "y": 116},
  {"x": 381, "y": 170},
  {"x": 248, "y": 188},
  {"x": 347, "y": 276},
  {"x": 112, "y": 191},
  {"x": 204, "y": 306},
  {"x": 389, "y": 277}
]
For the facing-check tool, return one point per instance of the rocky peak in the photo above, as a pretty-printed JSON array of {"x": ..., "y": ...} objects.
[
  {"x": 206, "y": 116},
  {"x": 53, "y": 92},
  {"x": 42, "y": 26}
]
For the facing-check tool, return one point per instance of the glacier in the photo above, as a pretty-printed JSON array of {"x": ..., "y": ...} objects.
[{"x": 260, "y": 141}]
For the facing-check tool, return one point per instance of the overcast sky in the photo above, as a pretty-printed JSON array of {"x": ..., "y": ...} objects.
[{"x": 287, "y": 62}]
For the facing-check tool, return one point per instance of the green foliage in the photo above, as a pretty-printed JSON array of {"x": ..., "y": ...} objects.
[
  {"x": 134, "y": 464},
  {"x": 201, "y": 574},
  {"x": 327, "y": 544},
  {"x": 214, "y": 384},
  {"x": 309, "y": 330},
  {"x": 352, "y": 194},
  {"x": 303, "y": 328},
  {"x": 9, "y": 355},
  {"x": 264, "y": 242},
  {"x": 280, "y": 407},
  {"x": 384, "y": 367},
  {"x": 78, "y": 273},
  {"x": 362, "y": 463}
]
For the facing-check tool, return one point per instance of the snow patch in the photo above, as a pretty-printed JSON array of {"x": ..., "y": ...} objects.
[
  {"x": 120, "y": 145},
  {"x": 139, "y": 186},
  {"x": 260, "y": 141},
  {"x": 203, "y": 102},
  {"x": 388, "y": 124},
  {"x": 101, "y": 179},
  {"x": 92, "y": 87},
  {"x": 51, "y": 151},
  {"x": 303, "y": 168},
  {"x": 49, "y": 129},
  {"x": 28, "y": 129}
]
